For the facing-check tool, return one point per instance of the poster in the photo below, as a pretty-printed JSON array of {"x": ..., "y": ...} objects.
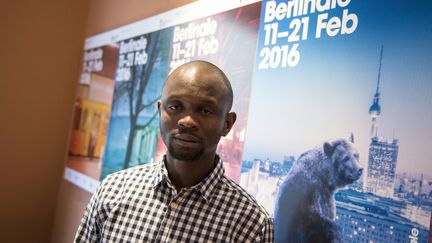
[
  {"x": 133, "y": 130},
  {"x": 91, "y": 115},
  {"x": 312, "y": 80},
  {"x": 357, "y": 70},
  {"x": 227, "y": 39}
]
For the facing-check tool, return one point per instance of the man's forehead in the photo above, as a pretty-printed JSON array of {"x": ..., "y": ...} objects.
[
  {"x": 195, "y": 88},
  {"x": 191, "y": 98},
  {"x": 199, "y": 78},
  {"x": 193, "y": 81}
]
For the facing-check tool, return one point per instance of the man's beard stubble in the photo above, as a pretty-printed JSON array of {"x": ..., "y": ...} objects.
[{"x": 184, "y": 156}]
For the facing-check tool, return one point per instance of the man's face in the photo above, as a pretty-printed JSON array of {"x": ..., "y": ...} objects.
[{"x": 194, "y": 113}]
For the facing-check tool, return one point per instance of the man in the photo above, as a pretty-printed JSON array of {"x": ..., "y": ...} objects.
[{"x": 186, "y": 197}]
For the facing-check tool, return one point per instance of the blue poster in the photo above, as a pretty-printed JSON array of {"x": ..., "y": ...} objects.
[
  {"x": 133, "y": 130},
  {"x": 340, "y": 122}
]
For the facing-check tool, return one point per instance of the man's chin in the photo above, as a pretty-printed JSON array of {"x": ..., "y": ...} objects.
[{"x": 185, "y": 155}]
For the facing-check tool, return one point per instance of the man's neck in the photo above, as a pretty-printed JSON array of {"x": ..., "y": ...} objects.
[{"x": 184, "y": 174}]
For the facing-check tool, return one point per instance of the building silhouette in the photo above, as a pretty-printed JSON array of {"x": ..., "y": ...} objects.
[
  {"x": 383, "y": 154},
  {"x": 365, "y": 217},
  {"x": 382, "y": 166}
]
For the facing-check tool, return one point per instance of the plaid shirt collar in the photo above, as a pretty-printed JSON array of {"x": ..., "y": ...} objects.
[{"x": 206, "y": 187}]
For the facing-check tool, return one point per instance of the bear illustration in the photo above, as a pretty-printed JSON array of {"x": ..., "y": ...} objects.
[{"x": 305, "y": 208}]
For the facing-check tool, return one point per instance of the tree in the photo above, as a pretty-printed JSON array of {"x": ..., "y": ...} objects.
[{"x": 135, "y": 88}]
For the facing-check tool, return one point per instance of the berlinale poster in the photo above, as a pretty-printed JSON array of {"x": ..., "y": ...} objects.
[
  {"x": 333, "y": 99},
  {"x": 145, "y": 62},
  {"x": 353, "y": 70}
]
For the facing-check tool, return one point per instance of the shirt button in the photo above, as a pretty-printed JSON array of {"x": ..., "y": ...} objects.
[{"x": 173, "y": 205}]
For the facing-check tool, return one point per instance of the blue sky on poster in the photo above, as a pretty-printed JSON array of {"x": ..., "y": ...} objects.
[{"x": 328, "y": 94}]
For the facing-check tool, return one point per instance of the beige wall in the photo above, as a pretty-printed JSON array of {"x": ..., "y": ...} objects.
[
  {"x": 40, "y": 43},
  {"x": 40, "y": 58},
  {"x": 107, "y": 14},
  {"x": 103, "y": 15}
]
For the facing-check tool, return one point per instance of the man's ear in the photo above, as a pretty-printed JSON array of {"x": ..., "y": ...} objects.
[
  {"x": 159, "y": 105},
  {"x": 229, "y": 122}
]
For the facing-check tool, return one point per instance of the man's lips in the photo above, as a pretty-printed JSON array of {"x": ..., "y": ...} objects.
[{"x": 187, "y": 138}]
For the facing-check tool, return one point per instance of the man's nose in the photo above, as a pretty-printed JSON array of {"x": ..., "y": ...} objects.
[{"x": 187, "y": 121}]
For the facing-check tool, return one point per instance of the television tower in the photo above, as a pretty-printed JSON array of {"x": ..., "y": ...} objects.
[
  {"x": 375, "y": 109},
  {"x": 383, "y": 154}
]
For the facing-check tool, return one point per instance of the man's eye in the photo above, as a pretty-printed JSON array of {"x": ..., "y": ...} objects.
[
  {"x": 207, "y": 112},
  {"x": 173, "y": 107}
]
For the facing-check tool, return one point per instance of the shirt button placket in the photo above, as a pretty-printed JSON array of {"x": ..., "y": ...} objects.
[
  {"x": 173, "y": 205},
  {"x": 170, "y": 219}
]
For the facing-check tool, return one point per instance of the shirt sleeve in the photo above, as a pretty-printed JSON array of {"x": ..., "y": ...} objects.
[
  {"x": 90, "y": 228},
  {"x": 266, "y": 234}
]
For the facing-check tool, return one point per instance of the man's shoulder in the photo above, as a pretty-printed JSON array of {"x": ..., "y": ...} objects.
[
  {"x": 132, "y": 175},
  {"x": 136, "y": 170},
  {"x": 242, "y": 198}
]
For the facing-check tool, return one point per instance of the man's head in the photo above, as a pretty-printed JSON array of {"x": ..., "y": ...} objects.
[{"x": 195, "y": 111}]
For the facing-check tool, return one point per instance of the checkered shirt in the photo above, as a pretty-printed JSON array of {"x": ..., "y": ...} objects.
[{"x": 140, "y": 204}]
